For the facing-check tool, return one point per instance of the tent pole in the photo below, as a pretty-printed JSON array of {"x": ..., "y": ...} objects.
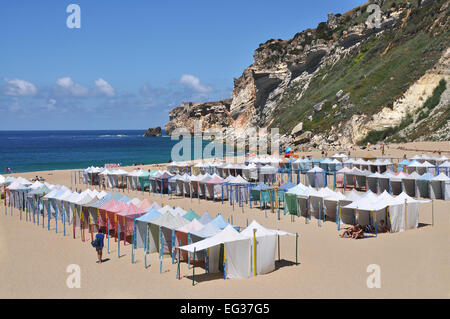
[
  {"x": 108, "y": 232},
  {"x": 173, "y": 244},
  {"x": 193, "y": 269},
  {"x": 432, "y": 212},
  {"x": 296, "y": 248},
  {"x": 278, "y": 247},
  {"x": 405, "y": 215},
  {"x": 224, "y": 264},
  {"x": 118, "y": 242},
  {"x": 254, "y": 252},
  {"x": 178, "y": 267}
]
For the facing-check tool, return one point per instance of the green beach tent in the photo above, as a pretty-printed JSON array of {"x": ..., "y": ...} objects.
[{"x": 191, "y": 215}]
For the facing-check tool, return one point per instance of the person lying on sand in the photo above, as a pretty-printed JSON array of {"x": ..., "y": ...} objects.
[
  {"x": 359, "y": 233},
  {"x": 349, "y": 231}
]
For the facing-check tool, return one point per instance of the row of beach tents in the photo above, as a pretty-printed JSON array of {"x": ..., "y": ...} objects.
[{"x": 211, "y": 241}]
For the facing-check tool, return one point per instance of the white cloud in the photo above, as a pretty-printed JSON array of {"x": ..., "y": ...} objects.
[
  {"x": 75, "y": 89},
  {"x": 104, "y": 87},
  {"x": 17, "y": 87},
  {"x": 51, "y": 104},
  {"x": 193, "y": 82}
]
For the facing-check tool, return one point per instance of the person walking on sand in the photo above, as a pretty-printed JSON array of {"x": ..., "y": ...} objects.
[{"x": 99, "y": 238}]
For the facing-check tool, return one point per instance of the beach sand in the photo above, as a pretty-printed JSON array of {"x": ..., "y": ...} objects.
[{"x": 413, "y": 264}]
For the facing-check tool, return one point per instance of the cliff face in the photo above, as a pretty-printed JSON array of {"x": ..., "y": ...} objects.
[
  {"x": 212, "y": 115},
  {"x": 341, "y": 80}
]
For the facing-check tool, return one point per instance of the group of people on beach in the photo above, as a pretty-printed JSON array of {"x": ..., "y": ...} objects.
[{"x": 357, "y": 231}]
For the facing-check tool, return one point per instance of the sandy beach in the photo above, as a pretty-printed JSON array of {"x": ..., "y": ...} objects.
[{"x": 414, "y": 264}]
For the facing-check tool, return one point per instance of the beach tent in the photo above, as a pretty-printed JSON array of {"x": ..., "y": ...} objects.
[
  {"x": 403, "y": 165},
  {"x": 182, "y": 235},
  {"x": 265, "y": 247},
  {"x": 142, "y": 224},
  {"x": 195, "y": 185},
  {"x": 173, "y": 185},
  {"x": 182, "y": 183},
  {"x": 164, "y": 225},
  {"x": 145, "y": 205},
  {"x": 422, "y": 183},
  {"x": 202, "y": 186},
  {"x": 179, "y": 211},
  {"x": 397, "y": 213},
  {"x": 409, "y": 184},
  {"x": 239, "y": 189},
  {"x": 219, "y": 222},
  {"x": 370, "y": 203},
  {"x": 445, "y": 168},
  {"x": 237, "y": 252},
  {"x": 144, "y": 180},
  {"x": 267, "y": 174},
  {"x": 250, "y": 172},
  {"x": 316, "y": 177},
  {"x": 261, "y": 193},
  {"x": 191, "y": 215},
  {"x": 385, "y": 181},
  {"x": 340, "y": 175},
  {"x": 290, "y": 199},
  {"x": 397, "y": 183},
  {"x": 317, "y": 202},
  {"x": 440, "y": 187},
  {"x": 206, "y": 218},
  {"x": 331, "y": 204},
  {"x": 282, "y": 189},
  {"x": 347, "y": 214},
  {"x": 213, "y": 188},
  {"x": 125, "y": 219},
  {"x": 349, "y": 163},
  {"x": 373, "y": 182}
]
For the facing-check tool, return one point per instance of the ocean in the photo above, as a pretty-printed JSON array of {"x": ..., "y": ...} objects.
[{"x": 26, "y": 151}]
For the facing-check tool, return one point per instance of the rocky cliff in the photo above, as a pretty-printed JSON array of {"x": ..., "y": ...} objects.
[{"x": 344, "y": 82}]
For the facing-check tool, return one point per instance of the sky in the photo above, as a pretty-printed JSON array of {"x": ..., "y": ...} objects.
[{"x": 131, "y": 62}]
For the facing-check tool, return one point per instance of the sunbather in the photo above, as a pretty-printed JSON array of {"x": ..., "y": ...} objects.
[{"x": 348, "y": 233}]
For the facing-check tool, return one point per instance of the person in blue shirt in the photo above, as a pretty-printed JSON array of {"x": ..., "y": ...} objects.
[{"x": 99, "y": 248}]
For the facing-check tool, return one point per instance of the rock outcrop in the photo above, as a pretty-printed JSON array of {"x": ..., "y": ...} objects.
[{"x": 155, "y": 131}]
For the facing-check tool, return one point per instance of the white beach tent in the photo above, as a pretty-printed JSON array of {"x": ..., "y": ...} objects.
[
  {"x": 237, "y": 251},
  {"x": 166, "y": 223},
  {"x": 316, "y": 177},
  {"x": 317, "y": 202},
  {"x": 347, "y": 214},
  {"x": 445, "y": 168},
  {"x": 332, "y": 203},
  {"x": 398, "y": 212},
  {"x": 266, "y": 240},
  {"x": 373, "y": 182},
  {"x": 397, "y": 183},
  {"x": 440, "y": 187},
  {"x": 409, "y": 184}
]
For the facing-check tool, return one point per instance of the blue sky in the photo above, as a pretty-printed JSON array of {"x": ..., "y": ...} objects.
[{"x": 132, "y": 61}]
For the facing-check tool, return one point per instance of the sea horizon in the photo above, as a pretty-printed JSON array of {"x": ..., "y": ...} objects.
[{"x": 43, "y": 150}]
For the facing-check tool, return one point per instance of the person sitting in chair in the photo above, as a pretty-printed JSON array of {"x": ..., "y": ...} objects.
[{"x": 383, "y": 227}]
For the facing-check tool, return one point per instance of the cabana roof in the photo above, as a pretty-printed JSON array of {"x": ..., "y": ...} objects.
[
  {"x": 262, "y": 231},
  {"x": 149, "y": 216},
  {"x": 228, "y": 234},
  {"x": 441, "y": 177}
]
